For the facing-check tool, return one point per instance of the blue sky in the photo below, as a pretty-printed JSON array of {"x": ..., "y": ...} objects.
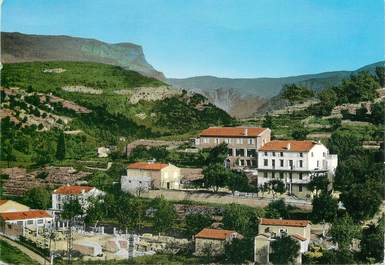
[{"x": 228, "y": 38}]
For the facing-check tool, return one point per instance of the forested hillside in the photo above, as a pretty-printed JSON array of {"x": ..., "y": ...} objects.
[{"x": 93, "y": 104}]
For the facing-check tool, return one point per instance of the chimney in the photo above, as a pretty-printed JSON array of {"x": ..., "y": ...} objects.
[
  {"x": 245, "y": 132},
  {"x": 288, "y": 146}
]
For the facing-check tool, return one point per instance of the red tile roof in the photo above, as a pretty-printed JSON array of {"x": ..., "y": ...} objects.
[
  {"x": 33, "y": 214},
  {"x": 147, "y": 166},
  {"x": 299, "y": 237},
  {"x": 291, "y": 146},
  {"x": 3, "y": 201},
  {"x": 72, "y": 190},
  {"x": 232, "y": 131},
  {"x": 283, "y": 222},
  {"x": 214, "y": 233}
]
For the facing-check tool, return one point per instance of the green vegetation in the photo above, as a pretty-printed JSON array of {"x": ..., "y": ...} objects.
[
  {"x": 38, "y": 198},
  {"x": 284, "y": 250},
  {"x": 295, "y": 93},
  {"x": 12, "y": 255}
]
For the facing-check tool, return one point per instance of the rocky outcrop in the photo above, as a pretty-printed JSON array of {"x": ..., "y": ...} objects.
[{"x": 18, "y": 47}]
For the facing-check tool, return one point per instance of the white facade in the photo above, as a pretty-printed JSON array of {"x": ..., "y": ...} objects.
[
  {"x": 33, "y": 222},
  {"x": 59, "y": 198},
  {"x": 295, "y": 168},
  {"x": 135, "y": 184}
]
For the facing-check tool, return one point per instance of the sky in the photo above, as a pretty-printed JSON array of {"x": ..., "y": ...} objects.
[{"x": 226, "y": 38}]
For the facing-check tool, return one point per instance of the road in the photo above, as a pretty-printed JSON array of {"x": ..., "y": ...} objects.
[{"x": 26, "y": 251}]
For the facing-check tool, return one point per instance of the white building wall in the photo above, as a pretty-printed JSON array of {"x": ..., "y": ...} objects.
[{"x": 134, "y": 184}]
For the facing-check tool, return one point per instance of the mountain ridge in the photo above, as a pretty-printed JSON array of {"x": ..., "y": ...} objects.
[{"x": 19, "y": 47}]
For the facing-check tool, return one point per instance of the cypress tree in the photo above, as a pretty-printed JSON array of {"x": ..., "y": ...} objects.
[{"x": 61, "y": 147}]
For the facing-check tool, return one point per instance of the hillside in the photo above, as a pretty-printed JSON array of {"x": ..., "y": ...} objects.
[
  {"x": 98, "y": 104},
  {"x": 259, "y": 90},
  {"x": 18, "y": 47}
]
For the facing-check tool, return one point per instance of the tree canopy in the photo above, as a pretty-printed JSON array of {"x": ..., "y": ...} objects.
[{"x": 284, "y": 250}]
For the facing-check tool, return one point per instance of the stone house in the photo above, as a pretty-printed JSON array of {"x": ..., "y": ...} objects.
[
  {"x": 271, "y": 229},
  {"x": 143, "y": 176},
  {"x": 243, "y": 143},
  {"x": 213, "y": 241}
]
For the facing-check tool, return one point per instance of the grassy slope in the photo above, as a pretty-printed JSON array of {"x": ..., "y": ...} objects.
[{"x": 12, "y": 255}]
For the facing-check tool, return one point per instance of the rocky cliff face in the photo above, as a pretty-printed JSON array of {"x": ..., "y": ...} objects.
[{"x": 17, "y": 47}]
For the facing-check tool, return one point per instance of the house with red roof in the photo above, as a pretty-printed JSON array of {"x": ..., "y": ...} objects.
[
  {"x": 243, "y": 143},
  {"x": 143, "y": 176},
  {"x": 14, "y": 223},
  {"x": 295, "y": 163},
  {"x": 66, "y": 193},
  {"x": 213, "y": 240},
  {"x": 271, "y": 229}
]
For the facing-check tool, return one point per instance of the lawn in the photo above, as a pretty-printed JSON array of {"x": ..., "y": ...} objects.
[{"x": 12, "y": 255}]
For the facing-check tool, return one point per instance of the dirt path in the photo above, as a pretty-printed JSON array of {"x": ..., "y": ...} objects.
[{"x": 26, "y": 251}]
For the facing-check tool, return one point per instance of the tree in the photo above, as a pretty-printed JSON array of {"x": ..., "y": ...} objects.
[
  {"x": 128, "y": 211},
  {"x": 300, "y": 133},
  {"x": 71, "y": 209},
  {"x": 318, "y": 183},
  {"x": 362, "y": 200},
  {"x": 339, "y": 256},
  {"x": 38, "y": 198},
  {"x": 343, "y": 231},
  {"x": 60, "y": 147},
  {"x": 359, "y": 87},
  {"x": 267, "y": 121},
  {"x": 241, "y": 219},
  {"x": 237, "y": 181},
  {"x": 380, "y": 75},
  {"x": 43, "y": 153},
  {"x": 7, "y": 151},
  {"x": 294, "y": 93},
  {"x": 237, "y": 251},
  {"x": 164, "y": 216},
  {"x": 217, "y": 154},
  {"x": 95, "y": 211},
  {"x": 277, "y": 209},
  {"x": 325, "y": 208},
  {"x": 378, "y": 113},
  {"x": 284, "y": 250},
  {"x": 195, "y": 222},
  {"x": 215, "y": 176},
  {"x": 277, "y": 185},
  {"x": 372, "y": 243}
]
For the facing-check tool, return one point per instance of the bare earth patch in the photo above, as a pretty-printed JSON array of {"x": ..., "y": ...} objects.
[{"x": 82, "y": 89}]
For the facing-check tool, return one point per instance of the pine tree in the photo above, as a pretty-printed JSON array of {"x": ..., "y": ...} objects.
[{"x": 61, "y": 147}]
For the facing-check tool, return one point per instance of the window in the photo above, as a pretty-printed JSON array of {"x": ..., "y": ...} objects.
[
  {"x": 40, "y": 221},
  {"x": 281, "y": 154},
  {"x": 312, "y": 154},
  {"x": 300, "y": 154},
  {"x": 217, "y": 140},
  {"x": 241, "y": 140},
  {"x": 300, "y": 188},
  {"x": 273, "y": 175},
  {"x": 317, "y": 163},
  {"x": 30, "y": 222},
  {"x": 251, "y": 141},
  {"x": 300, "y": 175},
  {"x": 323, "y": 154},
  {"x": 265, "y": 153},
  {"x": 273, "y": 153},
  {"x": 240, "y": 152},
  {"x": 281, "y": 175},
  {"x": 265, "y": 175},
  {"x": 281, "y": 161},
  {"x": 273, "y": 163},
  {"x": 300, "y": 163},
  {"x": 291, "y": 163},
  {"x": 230, "y": 152},
  {"x": 251, "y": 153},
  {"x": 265, "y": 162}
]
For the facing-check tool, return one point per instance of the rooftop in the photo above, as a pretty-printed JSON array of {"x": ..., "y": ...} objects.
[
  {"x": 72, "y": 190},
  {"x": 3, "y": 201},
  {"x": 33, "y": 214},
  {"x": 288, "y": 145},
  {"x": 232, "y": 131},
  {"x": 147, "y": 166},
  {"x": 214, "y": 233},
  {"x": 282, "y": 222}
]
